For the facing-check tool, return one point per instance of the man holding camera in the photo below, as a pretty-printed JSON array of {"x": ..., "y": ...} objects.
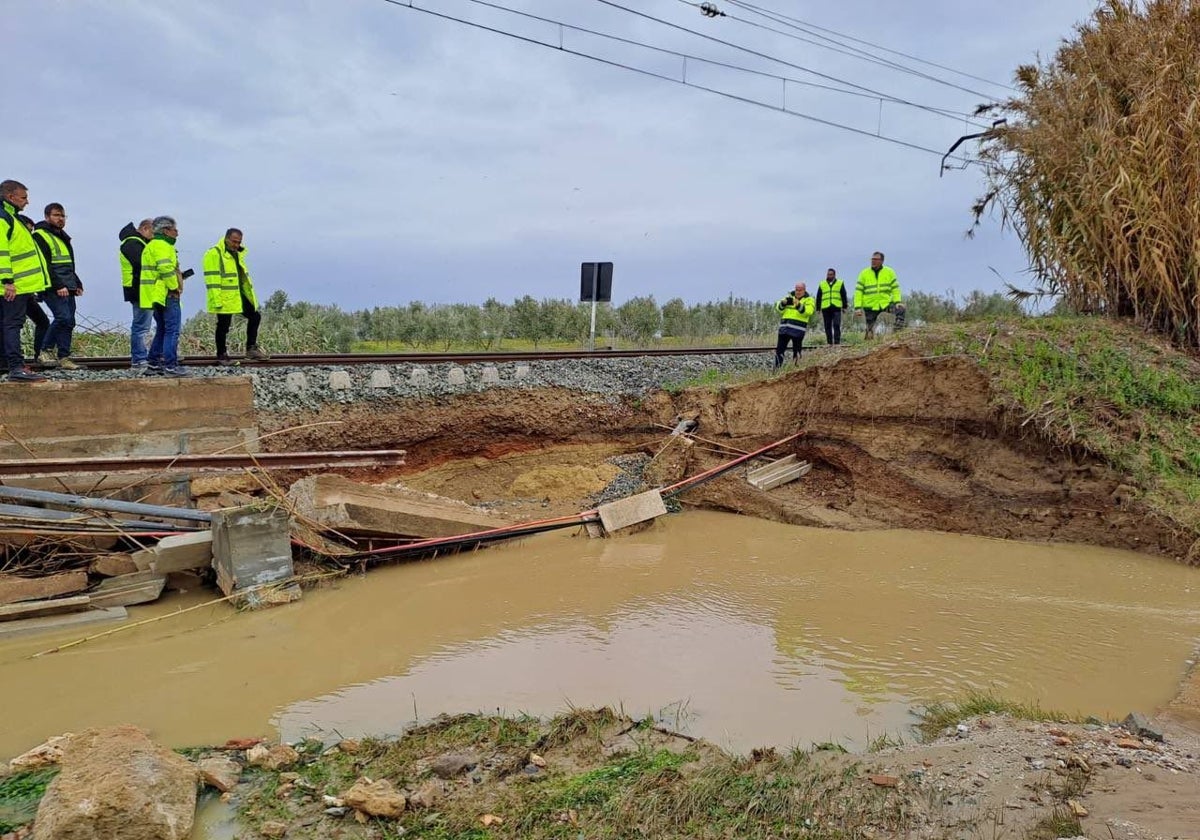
[{"x": 794, "y": 311}]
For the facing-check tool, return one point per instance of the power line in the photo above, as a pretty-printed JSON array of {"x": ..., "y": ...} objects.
[
  {"x": 768, "y": 57},
  {"x": 609, "y": 62},
  {"x": 870, "y": 59},
  {"x": 806, "y": 26},
  {"x": 957, "y": 116}
]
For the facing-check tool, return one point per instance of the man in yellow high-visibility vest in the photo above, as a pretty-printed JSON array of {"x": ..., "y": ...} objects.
[
  {"x": 878, "y": 290},
  {"x": 22, "y": 275}
]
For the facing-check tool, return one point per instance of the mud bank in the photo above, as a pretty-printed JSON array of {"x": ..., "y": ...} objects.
[{"x": 896, "y": 440}]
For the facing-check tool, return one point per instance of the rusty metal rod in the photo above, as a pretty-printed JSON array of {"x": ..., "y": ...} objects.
[{"x": 32, "y": 467}]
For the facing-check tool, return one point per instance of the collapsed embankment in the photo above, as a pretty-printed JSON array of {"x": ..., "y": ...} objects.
[{"x": 914, "y": 435}]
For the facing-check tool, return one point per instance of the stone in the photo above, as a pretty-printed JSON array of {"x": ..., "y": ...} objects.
[
  {"x": 296, "y": 382},
  {"x": 220, "y": 772},
  {"x": 1138, "y": 724},
  {"x": 42, "y": 755},
  {"x": 536, "y": 760},
  {"x": 456, "y": 376},
  {"x": 337, "y": 811},
  {"x": 884, "y": 780},
  {"x": 452, "y": 764},
  {"x": 490, "y": 375},
  {"x": 340, "y": 380},
  {"x": 381, "y": 378},
  {"x": 1130, "y": 744},
  {"x": 280, "y": 757},
  {"x": 257, "y": 754},
  {"x": 521, "y": 373},
  {"x": 375, "y": 798},
  {"x": 418, "y": 376},
  {"x": 350, "y": 746},
  {"x": 273, "y": 828},
  {"x": 1077, "y": 808},
  {"x": 427, "y": 795},
  {"x": 117, "y": 784}
]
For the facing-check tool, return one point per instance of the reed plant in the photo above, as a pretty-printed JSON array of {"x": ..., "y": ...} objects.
[{"x": 1098, "y": 167}]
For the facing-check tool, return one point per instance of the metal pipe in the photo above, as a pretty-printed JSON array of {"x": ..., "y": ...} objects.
[{"x": 87, "y": 503}]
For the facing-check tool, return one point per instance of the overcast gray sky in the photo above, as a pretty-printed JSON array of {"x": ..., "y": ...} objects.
[{"x": 375, "y": 155}]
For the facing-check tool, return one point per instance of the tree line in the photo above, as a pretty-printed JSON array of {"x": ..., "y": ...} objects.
[{"x": 301, "y": 326}]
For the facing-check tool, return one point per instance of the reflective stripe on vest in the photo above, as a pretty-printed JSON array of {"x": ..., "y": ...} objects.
[
  {"x": 831, "y": 296},
  {"x": 126, "y": 265}
]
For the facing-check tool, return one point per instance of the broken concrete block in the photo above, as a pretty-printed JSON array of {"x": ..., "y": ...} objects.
[
  {"x": 13, "y": 589},
  {"x": 252, "y": 548},
  {"x": 58, "y": 622},
  {"x": 32, "y": 609},
  {"x": 347, "y": 506},
  {"x": 181, "y": 552},
  {"x": 111, "y": 565},
  {"x": 127, "y": 590},
  {"x": 632, "y": 510}
]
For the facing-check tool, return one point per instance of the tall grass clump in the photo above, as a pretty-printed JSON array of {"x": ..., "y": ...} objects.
[{"x": 1098, "y": 167}]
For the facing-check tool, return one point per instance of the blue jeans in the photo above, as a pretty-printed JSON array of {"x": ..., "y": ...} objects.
[
  {"x": 59, "y": 334},
  {"x": 164, "y": 350},
  {"x": 139, "y": 334}
]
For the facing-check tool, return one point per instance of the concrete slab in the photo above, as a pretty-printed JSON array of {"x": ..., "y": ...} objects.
[
  {"x": 60, "y": 622},
  {"x": 14, "y": 589},
  {"x": 345, "y": 505},
  {"x": 252, "y": 547},
  {"x": 778, "y": 473},
  {"x": 381, "y": 378},
  {"x": 182, "y": 552},
  {"x": 625, "y": 512},
  {"x": 456, "y": 376},
  {"x": 340, "y": 380},
  {"x": 296, "y": 382},
  {"x": 418, "y": 376},
  {"x": 490, "y": 375},
  {"x": 30, "y": 609}
]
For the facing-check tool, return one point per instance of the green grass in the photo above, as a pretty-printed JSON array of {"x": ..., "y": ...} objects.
[
  {"x": 1062, "y": 823},
  {"x": 20, "y": 794},
  {"x": 936, "y": 717}
]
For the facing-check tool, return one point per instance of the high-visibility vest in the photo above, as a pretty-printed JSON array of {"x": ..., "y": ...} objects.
[
  {"x": 62, "y": 264},
  {"x": 126, "y": 265},
  {"x": 796, "y": 312},
  {"x": 160, "y": 264},
  {"x": 21, "y": 261},
  {"x": 831, "y": 295},
  {"x": 876, "y": 291},
  {"x": 225, "y": 286}
]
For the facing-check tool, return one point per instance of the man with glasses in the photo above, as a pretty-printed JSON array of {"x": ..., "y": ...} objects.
[
  {"x": 59, "y": 255},
  {"x": 22, "y": 275},
  {"x": 160, "y": 290}
]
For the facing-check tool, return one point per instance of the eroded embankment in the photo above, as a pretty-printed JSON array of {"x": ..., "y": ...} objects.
[{"x": 896, "y": 440}]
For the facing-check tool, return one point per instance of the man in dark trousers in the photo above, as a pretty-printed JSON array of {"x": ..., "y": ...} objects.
[
  {"x": 55, "y": 243},
  {"x": 34, "y": 309},
  {"x": 133, "y": 242},
  {"x": 22, "y": 275},
  {"x": 230, "y": 291},
  {"x": 794, "y": 311},
  {"x": 832, "y": 301}
]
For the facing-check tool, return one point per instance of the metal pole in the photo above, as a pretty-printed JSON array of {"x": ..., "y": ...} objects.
[
  {"x": 595, "y": 293},
  {"x": 87, "y": 503}
]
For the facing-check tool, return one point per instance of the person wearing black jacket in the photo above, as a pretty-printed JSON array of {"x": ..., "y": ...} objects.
[
  {"x": 59, "y": 256},
  {"x": 133, "y": 242},
  {"x": 33, "y": 310},
  {"x": 831, "y": 302}
]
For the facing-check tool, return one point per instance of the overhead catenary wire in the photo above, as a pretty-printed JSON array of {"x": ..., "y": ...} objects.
[
  {"x": 831, "y": 45},
  {"x": 767, "y": 56},
  {"x": 408, "y": 4},
  {"x": 807, "y": 26}
]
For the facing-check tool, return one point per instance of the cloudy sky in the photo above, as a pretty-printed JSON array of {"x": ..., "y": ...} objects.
[{"x": 375, "y": 155}]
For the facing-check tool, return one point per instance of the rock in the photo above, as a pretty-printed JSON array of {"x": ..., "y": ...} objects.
[
  {"x": 1130, "y": 744},
  {"x": 452, "y": 764},
  {"x": 350, "y": 746},
  {"x": 117, "y": 784},
  {"x": 375, "y": 798},
  {"x": 337, "y": 811},
  {"x": 42, "y": 755},
  {"x": 1076, "y": 808},
  {"x": 273, "y": 828},
  {"x": 1139, "y": 725},
  {"x": 883, "y": 780},
  {"x": 489, "y": 820},
  {"x": 220, "y": 772},
  {"x": 962, "y": 729},
  {"x": 332, "y": 801},
  {"x": 536, "y": 760},
  {"x": 242, "y": 743},
  {"x": 278, "y": 757},
  {"x": 427, "y": 795},
  {"x": 1125, "y": 761}
]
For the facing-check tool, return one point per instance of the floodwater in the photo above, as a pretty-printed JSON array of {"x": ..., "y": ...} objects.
[{"x": 742, "y": 631}]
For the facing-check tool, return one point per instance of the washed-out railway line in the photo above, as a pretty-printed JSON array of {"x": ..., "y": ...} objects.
[{"x": 339, "y": 359}]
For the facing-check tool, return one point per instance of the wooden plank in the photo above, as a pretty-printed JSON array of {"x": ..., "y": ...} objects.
[
  {"x": 14, "y": 589},
  {"x": 59, "y": 622},
  {"x": 128, "y": 594},
  {"x": 30, "y": 609}
]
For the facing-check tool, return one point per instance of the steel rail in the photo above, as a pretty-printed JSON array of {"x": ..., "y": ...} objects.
[
  {"x": 482, "y": 357},
  {"x": 32, "y": 467}
]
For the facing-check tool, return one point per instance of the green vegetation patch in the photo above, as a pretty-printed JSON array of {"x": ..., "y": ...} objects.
[
  {"x": 936, "y": 717},
  {"x": 20, "y": 794}
]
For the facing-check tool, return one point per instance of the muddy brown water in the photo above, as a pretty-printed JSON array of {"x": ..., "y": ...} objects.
[{"x": 743, "y": 631}]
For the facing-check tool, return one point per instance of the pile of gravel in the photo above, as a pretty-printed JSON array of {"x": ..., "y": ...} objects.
[
  {"x": 629, "y": 482},
  {"x": 286, "y": 389}
]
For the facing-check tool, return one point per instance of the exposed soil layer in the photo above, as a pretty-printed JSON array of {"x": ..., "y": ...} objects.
[{"x": 895, "y": 439}]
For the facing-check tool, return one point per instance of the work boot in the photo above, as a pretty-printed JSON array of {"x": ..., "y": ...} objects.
[
  {"x": 152, "y": 370},
  {"x": 225, "y": 361},
  {"x": 25, "y": 375},
  {"x": 255, "y": 353},
  {"x": 67, "y": 363},
  {"x": 48, "y": 358}
]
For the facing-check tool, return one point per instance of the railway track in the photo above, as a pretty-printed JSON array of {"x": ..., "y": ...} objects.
[{"x": 341, "y": 359}]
